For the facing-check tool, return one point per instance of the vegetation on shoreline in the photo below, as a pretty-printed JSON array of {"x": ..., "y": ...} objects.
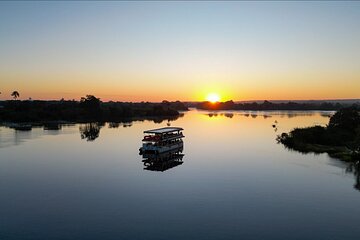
[
  {"x": 88, "y": 109},
  {"x": 266, "y": 105},
  {"x": 340, "y": 138}
]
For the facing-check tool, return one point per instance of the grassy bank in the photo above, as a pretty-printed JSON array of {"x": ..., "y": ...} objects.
[{"x": 340, "y": 138}]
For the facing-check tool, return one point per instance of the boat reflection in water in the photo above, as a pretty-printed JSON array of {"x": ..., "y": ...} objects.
[
  {"x": 163, "y": 161},
  {"x": 162, "y": 148}
]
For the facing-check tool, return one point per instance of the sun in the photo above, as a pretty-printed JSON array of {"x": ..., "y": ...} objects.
[{"x": 213, "y": 97}]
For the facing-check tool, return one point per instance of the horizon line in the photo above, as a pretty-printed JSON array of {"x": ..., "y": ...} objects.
[{"x": 193, "y": 101}]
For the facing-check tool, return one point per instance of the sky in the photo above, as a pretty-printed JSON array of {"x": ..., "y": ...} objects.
[{"x": 151, "y": 51}]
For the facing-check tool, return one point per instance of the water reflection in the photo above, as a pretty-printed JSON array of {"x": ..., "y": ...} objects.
[
  {"x": 20, "y": 136},
  {"x": 11, "y": 137},
  {"x": 118, "y": 124},
  {"x": 90, "y": 131},
  {"x": 164, "y": 161},
  {"x": 168, "y": 118},
  {"x": 327, "y": 115},
  {"x": 238, "y": 180},
  {"x": 212, "y": 114},
  {"x": 52, "y": 126},
  {"x": 157, "y": 120},
  {"x": 269, "y": 114},
  {"x": 114, "y": 125},
  {"x": 229, "y": 115},
  {"x": 355, "y": 169},
  {"x": 127, "y": 124}
]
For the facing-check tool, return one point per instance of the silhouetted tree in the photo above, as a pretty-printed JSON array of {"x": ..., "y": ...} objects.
[
  {"x": 15, "y": 94},
  {"x": 346, "y": 118},
  {"x": 90, "y": 102},
  {"x": 91, "y": 106}
]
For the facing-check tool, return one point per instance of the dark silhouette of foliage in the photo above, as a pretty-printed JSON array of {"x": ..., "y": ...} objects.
[
  {"x": 177, "y": 105},
  {"x": 91, "y": 107},
  {"x": 15, "y": 94},
  {"x": 347, "y": 118},
  {"x": 88, "y": 109},
  {"x": 267, "y": 105},
  {"x": 341, "y": 138},
  {"x": 90, "y": 102}
]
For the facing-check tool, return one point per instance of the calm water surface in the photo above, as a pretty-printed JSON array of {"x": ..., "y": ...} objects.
[{"x": 235, "y": 182}]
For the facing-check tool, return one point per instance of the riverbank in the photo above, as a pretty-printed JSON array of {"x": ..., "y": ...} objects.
[
  {"x": 340, "y": 138},
  {"x": 340, "y": 152}
]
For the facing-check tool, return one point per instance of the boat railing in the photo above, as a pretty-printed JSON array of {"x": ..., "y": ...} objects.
[
  {"x": 172, "y": 135},
  {"x": 156, "y": 138},
  {"x": 160, "y": 143}
]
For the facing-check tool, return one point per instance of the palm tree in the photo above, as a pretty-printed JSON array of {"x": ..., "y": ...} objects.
[{"x": 15, "y": 94}]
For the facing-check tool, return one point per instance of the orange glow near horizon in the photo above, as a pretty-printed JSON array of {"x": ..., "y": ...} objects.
[
  {"x": 172, "y": 91},
  {"x": 137, "y": 88}
]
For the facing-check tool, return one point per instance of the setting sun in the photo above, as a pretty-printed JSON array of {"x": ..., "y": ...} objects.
[{"x": 213, "y": 97}]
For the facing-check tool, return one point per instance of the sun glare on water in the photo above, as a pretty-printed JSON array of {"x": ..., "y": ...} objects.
[{"x": 213, "y": 97}]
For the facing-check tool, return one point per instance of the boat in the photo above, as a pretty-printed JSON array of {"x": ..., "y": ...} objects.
[{"x": 162, "y": 140}]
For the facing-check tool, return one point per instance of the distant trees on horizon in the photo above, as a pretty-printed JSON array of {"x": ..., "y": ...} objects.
[
  {"x": 88, "y": 109},
  {"x": 91, "y": 102},
  {"x": 267, "y": 105}
]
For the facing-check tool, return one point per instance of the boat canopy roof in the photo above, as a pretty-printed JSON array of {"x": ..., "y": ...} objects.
[{"x": 164, "y": 130}]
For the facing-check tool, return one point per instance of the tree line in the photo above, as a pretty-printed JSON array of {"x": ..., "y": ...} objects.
[
  {"x": 89, "y": 108},
  {"x": 267, "y": 105}
]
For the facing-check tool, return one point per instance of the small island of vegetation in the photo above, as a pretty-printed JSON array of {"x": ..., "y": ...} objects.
[{"x": 340, "y": 138}]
